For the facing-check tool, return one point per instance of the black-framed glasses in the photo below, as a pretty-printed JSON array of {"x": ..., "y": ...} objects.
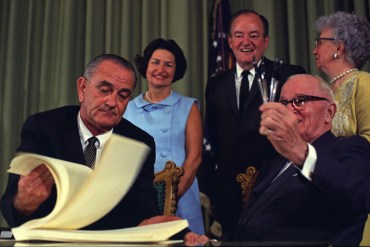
[
  {"x": 318, "y": 40},
  {"x": 300, "y": 101}
]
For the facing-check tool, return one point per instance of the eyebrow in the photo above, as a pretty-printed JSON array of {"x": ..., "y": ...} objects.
[
  {"x": 295, "y": 96},
  {"x": 165, "y": 61},
  {"x": 109, "y": 84}
]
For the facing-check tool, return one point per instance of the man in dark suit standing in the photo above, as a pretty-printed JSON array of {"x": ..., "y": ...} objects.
[
  {"x": 63, "y": 133},
  {"x": 318, "y": 190},
  {"x": 233, "y": 117}
]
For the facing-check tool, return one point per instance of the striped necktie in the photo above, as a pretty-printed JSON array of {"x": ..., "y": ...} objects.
[{"x": 90, "y": 152}]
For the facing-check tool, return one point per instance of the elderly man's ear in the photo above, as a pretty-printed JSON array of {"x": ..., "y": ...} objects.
[
  {"x": 81, "y": 88},
  {"x": 332, "y": 109}
]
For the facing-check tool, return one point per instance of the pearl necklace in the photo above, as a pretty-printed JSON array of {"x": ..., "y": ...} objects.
[
  {"x": 152, "y": 101},
  {"x": 342, "y": 75}
]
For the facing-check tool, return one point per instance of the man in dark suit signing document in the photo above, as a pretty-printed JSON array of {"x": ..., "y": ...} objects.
[{"x": 63, "y": 133}]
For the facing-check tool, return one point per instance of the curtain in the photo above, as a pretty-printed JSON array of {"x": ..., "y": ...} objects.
[{"x": 45, "y": 44}]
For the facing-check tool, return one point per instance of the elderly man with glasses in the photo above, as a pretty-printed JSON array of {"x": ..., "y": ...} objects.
[{"x": 318, "y": 189}]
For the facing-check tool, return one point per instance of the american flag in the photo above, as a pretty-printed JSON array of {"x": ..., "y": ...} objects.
[
  {"x": 220, "y": 54},
  {"x": 220, "y": 59}
]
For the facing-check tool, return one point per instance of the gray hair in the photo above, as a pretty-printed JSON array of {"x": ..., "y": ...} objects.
[
  {"x": 353, "y": 30},
  {"x": 96, "y": 61},
  {"x": 325, "y": 87}
]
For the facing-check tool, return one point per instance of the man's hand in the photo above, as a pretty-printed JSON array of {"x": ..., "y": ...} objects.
[
  {"x": 193, "y": 239},
  {"x": 159, "y": 219},
  {"x": 279, "y": 124},
  {"x": 190, "y": 239},
  {"x": 33, "y": 190}
]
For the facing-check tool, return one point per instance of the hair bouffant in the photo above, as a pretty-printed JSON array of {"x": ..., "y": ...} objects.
[
  {"x": 169, "y": 45},
  {"x": 353, "y": 30}
]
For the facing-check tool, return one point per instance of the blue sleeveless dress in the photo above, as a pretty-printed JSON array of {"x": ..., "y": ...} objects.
[{"x": 166, "y": 122}]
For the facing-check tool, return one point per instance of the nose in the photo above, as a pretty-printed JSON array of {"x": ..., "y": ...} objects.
[
  {"x": 314, "y": 51},
  {"x": 160, "y": 67},
  {"x": 111, "y": 100},
  {"x": 246, "y": 39}
]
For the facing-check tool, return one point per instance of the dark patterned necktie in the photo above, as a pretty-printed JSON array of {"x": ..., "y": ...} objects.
[
  {"x": 244, "y": 90},
  {"x": 90, "y": 152}
]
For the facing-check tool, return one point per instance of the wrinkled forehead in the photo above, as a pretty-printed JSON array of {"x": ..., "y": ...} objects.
[
  {"x": 108, "y": 70},
  {"x": 245, "y": 20}
]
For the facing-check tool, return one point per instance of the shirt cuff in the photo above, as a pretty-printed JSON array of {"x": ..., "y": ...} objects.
[{"x": 310, "y": 162}]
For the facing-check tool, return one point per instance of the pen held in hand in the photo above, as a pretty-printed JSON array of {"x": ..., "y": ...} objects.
[
  {"x": 275, "y": 79},
  {"x": 260, "y": 76}
]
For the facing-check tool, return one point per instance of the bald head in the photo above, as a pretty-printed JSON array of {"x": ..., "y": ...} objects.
[{"x": 310, "y": 83}]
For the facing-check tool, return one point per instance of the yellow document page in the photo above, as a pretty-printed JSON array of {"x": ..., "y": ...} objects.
[{"x": 86, "y": 195}]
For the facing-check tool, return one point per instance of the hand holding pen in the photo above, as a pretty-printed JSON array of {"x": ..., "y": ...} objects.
[{"x": 275, "y": 79}]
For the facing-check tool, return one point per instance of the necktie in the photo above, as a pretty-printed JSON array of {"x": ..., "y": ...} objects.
[
  {"x": 90, "y": 152},
  {"x": 244, "y": 90}
]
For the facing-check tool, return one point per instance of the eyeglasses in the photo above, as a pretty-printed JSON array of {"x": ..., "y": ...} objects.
[
  {"x": 300, "y": 101},
  {"x": 318, "y": 40}
]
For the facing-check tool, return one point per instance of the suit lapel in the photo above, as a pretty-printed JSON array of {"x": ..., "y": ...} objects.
[
  {"x": 73, "y": 145},
  {"x": 231, "y": 92},
  {"x": 71, "y": 140},
  {"x": 254, "y": 94},
  {"x": 255, "y": 91},
  {"x": 272, "y": 172},
  {"x": 267, "y": 190}
]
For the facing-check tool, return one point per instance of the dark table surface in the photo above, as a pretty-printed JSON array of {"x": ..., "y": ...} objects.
[{"x": 6, "y": 240}]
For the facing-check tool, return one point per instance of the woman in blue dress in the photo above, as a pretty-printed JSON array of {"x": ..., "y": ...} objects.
[{"x": 173, "y": 120}]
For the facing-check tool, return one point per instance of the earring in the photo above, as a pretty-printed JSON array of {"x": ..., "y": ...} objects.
[{"x": 335, "y": 56}]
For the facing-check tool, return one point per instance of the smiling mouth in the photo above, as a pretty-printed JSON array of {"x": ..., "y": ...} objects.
[
  {"x": 248, "y": 50},
  {"x": 161, "y": 77}
]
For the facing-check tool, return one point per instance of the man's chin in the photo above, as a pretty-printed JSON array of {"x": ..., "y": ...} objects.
[
  {"x": 107, "y": 125},
  {"x": 247, "y": 61}
]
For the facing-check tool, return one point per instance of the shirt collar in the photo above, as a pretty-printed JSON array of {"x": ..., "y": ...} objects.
[
  {"x": 239, "y": 70},
  {"x": 85, "y": 133},
  {"x": 170, "y": 100}
]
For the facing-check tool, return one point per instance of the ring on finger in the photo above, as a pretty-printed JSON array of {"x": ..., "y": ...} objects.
[{"x": 267, "y": 132}]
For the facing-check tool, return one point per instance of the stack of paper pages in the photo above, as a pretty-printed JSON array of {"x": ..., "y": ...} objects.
[{"x": 85, "y": 195}]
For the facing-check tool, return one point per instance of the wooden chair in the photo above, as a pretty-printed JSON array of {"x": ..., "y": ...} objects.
[
  {"x": 166, "y": 183},
  {"x": 247, "y": 181}
]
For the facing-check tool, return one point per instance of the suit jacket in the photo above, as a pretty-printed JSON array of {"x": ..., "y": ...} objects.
[
  {"x": 332, "y": 208},
  {"x": 235, "y": 140},
  {"x": 55, "y": 134}
]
